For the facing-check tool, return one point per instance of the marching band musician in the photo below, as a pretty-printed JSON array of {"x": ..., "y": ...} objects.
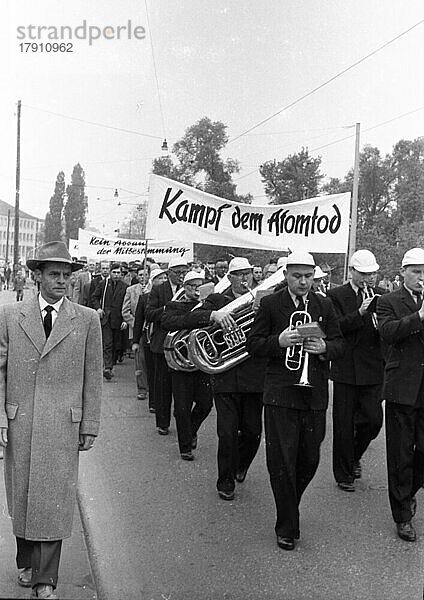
[
  {"x": 358, "y": 374},
  {"x": 400, "y": 321},
  {"x": 294, "y": 414},
  {"x": 237, "y": 392},
  {"x": 191, "y": 391},
  {"x": 158, "y": 297}
]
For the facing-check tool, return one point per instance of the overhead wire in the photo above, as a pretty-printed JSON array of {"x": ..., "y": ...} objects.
[
  {"x": 328, "y": 81},
  {"x": 155, "y": 69}
]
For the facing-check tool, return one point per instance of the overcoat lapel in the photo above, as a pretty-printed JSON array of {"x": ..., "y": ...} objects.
[
  {"x": 31, "y": 322},
  {"x": 61, "y": 328},
  {"x": 286, "y": 305}
]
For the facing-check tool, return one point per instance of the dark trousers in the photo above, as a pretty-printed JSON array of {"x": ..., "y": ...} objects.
[
  {"x": 111, "y": 345},
  {"x": 162, "y": 391},
  {"x": 405, "y": 457},
  {"x": 192, "y": 403},
  {"x": 150, "y": 370},
  {"x": 239, "y": 428},
  {"x": 43, "y": 557},
  {"x": 19, "y": 295},
  {"x": 293, "y": 439},
  {"x": 357, "y": 420}
]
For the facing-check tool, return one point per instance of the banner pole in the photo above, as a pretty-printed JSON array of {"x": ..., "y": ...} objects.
[{"x": 354, "y": 205}]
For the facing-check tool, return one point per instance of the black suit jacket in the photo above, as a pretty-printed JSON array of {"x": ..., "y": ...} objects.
[
  {"x": 155, "y": 307},
  {"x": 112, "y": 302},
  {"x": 362, "y": 361},
  {"x": 402, "y": 329},
  {"x": 271, "y": 319}
]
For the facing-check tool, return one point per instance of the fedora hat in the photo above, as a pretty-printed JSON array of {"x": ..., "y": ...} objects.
[{"x": 52, "y": 252}]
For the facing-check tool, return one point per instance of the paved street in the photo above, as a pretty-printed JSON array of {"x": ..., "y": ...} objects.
[{"x": 159, "y": 531}]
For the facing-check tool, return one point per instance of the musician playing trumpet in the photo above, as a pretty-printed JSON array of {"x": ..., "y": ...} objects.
[
  {"x": 358, "y": 375},
  {"x": 294, "y": 414}
]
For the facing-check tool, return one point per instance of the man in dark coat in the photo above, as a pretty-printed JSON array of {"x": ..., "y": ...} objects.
[
  {"x": 191, "y": 390},
  {"x": 294, "y": 413},
  {"x": 158, "y": 298},
  {"x": 237, "y": 391},
  {"x": 358, "y": 374},
  {"x": 108, "y": 298},
  {"x": 400, "y": 321}
]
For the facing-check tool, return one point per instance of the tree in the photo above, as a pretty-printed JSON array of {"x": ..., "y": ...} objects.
[
  {"x": 53, "y": 221},
  {"x": 294, "y": 178},
  {"x": 76, "y": 204},
  {"x": 408, "y": 169},
  {"x": 198, "y": 161},
  {"x": 134, "y": 227}
]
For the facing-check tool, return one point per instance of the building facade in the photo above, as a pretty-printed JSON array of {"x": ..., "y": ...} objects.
[{"x": 29, "y": 226}]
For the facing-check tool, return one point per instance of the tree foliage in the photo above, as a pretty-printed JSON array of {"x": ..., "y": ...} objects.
[
  {"x": 292, "y": 179},
  {"x": 198, "y": 161},
  {"x": 53, "y": 221},
  {"x": 76, "y": 204}
]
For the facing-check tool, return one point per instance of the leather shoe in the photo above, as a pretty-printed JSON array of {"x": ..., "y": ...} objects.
[
  {"x": 163, "y": 430},
  {"x": 45, "y": 592},
  {"x": 346, "y": 486},
  {"x": 25, "y": 576},
  {"x": 413, "y": 506},
  {"x": 107, "y": 374},
  {"x": 406, "y": 531},
  {"x": 187, "y": 455},
  {"x": 241, "y": 475},
  {"x": 152, "y": 409},
  {"x": 357, "y": 469},
  {"x": 286, "y": 543},
  {"x": 224, "y": 495},
  {"x": 141, "y": 396}
]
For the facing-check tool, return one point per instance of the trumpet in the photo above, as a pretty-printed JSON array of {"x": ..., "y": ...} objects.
[
  {"x": 369, "y": 293},
  {"x": 296, "y": 355}
]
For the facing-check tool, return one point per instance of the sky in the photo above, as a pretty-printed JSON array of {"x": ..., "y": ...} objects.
[{"x": 235, "y": 62}]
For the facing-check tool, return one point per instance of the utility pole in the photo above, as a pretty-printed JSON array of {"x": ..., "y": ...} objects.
[
  {"x": 7, "y": 235},
  {"x": 18, "y": 183},
  {"x": 354, "y": 206}
]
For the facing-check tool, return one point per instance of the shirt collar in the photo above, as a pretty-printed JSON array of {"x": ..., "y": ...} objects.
[
  {"x": 43, "y": 303},
  {"x": 355, "y": 288},
  {"x": 294, "y": 297},
  {"x": 413, "y": 294}
]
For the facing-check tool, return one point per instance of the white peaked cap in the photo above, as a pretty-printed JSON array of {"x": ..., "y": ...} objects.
[
  {"x": 282, "y": 262},
  {"x": 415, "y": 256},
  {"x": 177, "y": 262},
  {"x": 192, "y": 275},
  {"x": 364, "y": 261},
  {"x": 155, "y": 273},
  {"x": 301, "y": 258},
  {"x": 239, "y": 264},
  {"x": 319, "y": 273}
]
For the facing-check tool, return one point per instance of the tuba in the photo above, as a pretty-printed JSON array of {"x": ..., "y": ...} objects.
[
  {"x": 214, "y": 350},
  {"x": 296, "y": 355},
  {"x": 175, "y": 345}
]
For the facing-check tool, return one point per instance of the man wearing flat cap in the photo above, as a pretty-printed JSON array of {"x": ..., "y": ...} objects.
[
  {"x": 50, "y": 392},
  {"x": 400, "y": 322}
]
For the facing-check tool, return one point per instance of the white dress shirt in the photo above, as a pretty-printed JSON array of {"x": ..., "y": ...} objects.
[{"x": 43, "y": 303}]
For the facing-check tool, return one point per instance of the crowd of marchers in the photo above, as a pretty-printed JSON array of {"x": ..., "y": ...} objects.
[{"x": 304, "y": 331}]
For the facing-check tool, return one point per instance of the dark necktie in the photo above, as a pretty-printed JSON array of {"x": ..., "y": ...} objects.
[
  {"x": 301, "y": 304},
  {"x": 48, "y": 322},
  {"x": 418, "y": 299},
  {"x": 359, "y": 298}
]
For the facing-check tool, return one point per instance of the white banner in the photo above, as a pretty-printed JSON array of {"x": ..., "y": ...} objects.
[
  {"x": 101, "y": 247},
  {"x": 73, "y": 247},
  {"x": 179, "y": 211}
]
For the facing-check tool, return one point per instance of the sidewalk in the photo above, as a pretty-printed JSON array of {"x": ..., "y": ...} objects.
[
  {"x": 157, "y": 530},
  {"x": 75, "y": 580}
]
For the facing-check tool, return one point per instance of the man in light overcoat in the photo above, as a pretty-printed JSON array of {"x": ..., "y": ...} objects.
[{"x": 50, "y": 392}]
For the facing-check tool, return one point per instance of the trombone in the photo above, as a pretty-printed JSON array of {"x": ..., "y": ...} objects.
[{"x": 296, "y": 355}]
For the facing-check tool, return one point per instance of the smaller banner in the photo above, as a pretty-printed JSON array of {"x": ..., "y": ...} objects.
[
  {"x": 73, "y": 248},
  {"x": 101, "y": 247}
]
